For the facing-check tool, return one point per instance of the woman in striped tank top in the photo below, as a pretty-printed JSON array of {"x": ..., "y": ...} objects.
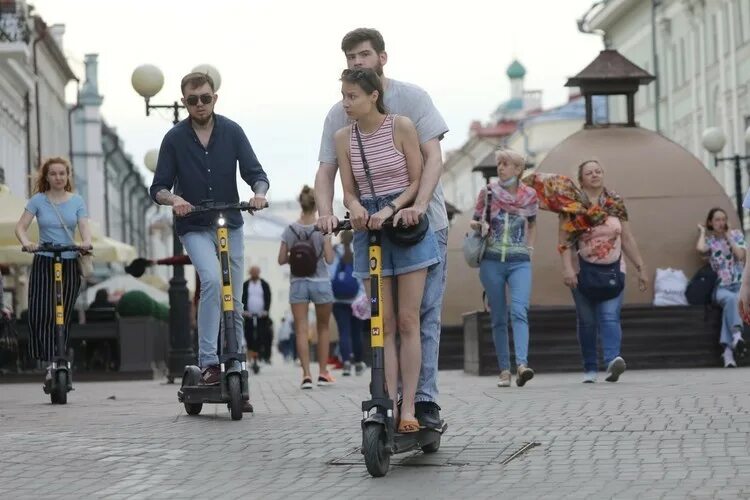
[{"x": 391, "y": 148}]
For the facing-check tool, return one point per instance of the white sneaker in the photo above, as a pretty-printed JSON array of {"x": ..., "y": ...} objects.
[
  {"x": 738, "y": 344},
  {"x": 504, "y": 379},
  {"x": 615, "y": 369},
  {"x": 347, "y": 369},
  {"x": 359, "y": 368},
  {"x": 729, "y": 361},
  {"x": 589, "y": 378}
]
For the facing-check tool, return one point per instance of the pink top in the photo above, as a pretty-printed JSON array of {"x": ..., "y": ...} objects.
[
  {"x": 387, "y": 164},
  {"x": 603, "y": 243}
]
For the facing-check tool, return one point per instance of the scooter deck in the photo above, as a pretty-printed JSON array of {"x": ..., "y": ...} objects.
[
  {"x": 200, "y": 394},
  {"x": 413, "y": 440}
]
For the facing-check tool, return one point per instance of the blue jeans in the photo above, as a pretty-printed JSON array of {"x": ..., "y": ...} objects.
[
  {"x": 494, "y": 276},
  {"x": 602, "y": 318},
  {"x": 202, "y": 248},
  {"x": 726, "y": 296},
  {"x": 350, "y": 332},
  {"x": 432, "y": 304}
]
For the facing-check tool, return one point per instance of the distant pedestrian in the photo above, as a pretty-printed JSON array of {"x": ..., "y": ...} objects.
[
  {"x": 256, "y": 304},
  {"x": 346, "y": 288},
  {"x": 307, "y": 251}
]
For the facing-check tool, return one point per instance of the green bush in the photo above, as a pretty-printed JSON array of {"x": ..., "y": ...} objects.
[
  {"x": 136, "y": 303},
  {"x": 162, "y": 312}
]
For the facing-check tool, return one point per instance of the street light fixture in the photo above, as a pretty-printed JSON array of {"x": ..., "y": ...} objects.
[
  {"x": 713, "y": 141},
  {"x": 147, "y": 81}
]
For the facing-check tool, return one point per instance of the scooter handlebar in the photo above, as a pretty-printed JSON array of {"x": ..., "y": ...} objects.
[
  {"x": 53, "y": 248},
  {"x": 208, "y": 207}
]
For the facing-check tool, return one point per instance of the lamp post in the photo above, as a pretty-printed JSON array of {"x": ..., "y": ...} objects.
[
  {"x": 713, "y": 141},
  {"x": 148, "y": 80}
]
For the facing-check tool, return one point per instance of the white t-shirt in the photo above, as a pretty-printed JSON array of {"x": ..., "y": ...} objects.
[
  {"x": 404, "y": 99},
  {"x": 255, "y": 302}
]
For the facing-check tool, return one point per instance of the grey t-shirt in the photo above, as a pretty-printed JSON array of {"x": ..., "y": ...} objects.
[
  {"x": 403, "y": 99},
  {"x": 316, "y": 237}
]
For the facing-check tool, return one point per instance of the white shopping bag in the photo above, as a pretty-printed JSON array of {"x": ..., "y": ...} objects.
[{"x": 669, "y": 287}]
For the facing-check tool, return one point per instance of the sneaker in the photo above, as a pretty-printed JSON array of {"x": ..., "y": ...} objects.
[
  {"x": 325, "y": 379},
  {"x": 523, "y": 375},
  {"x": 738, "y": 344},
  {"x": 728, "y": 356},
  {"x": 247, "y": 407},
  {"x": 359, "y": 368},
  {"x": 306, "y": 383},
  {"x": 211, "y": 375},
  {"x": 428, "y": 414},
  {"x": 334, "y": 362},
  {"x": 504, "y": 379},
  {"x": 615, "y": 368},
  {"x": 589, "y": 378},
  {"x": 347, "y": 369}
]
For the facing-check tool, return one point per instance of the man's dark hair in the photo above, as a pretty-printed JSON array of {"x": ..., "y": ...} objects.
[
  {"x": 196, "y": 79},
  {"x": 355, "y": 37}
]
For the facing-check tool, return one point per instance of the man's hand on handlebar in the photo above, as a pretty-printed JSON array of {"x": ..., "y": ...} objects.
[
  {"x": 181, "y": 207},
  {"x": 409, "y": 216},
  {"x": 326, "y": 224},
  {"x": 258, "y": 201}
]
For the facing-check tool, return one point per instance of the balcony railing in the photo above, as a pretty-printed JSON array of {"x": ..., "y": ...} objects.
[{"x": 13, "y": 27}]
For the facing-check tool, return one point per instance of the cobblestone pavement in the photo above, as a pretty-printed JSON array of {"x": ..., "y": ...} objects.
[{"x": 654, "y": 434}]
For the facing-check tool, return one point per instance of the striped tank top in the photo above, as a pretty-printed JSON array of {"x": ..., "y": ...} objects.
[{"x": 387, "y": 164}]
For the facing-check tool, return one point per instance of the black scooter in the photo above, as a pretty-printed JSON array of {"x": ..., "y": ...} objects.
[
  {"x": 232, "y": 389},
  {"x": 380, "y": 438},
  {"x": 61, "y": 381}
]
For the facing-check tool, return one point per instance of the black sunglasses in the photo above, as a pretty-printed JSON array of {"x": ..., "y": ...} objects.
[{"x": 192, "y": 100}]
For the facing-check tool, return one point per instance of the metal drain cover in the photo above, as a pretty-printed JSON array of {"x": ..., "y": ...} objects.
[{"x": 449, "y": 455}]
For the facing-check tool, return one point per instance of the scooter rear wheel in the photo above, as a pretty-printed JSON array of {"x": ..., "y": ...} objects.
[
  {"x": 433, "y": 447},
  {"x": 193, "y": 408},
  {"x": 377, "y": 459},
  {"x": 235, "y": 397},
  {"x": 60, "y": 393}
]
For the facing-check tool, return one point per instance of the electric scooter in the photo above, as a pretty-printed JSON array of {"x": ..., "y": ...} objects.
[
  {"x": 232, "y": 389},
  {"x": 61, "y": 381},
  {"x": 380, "y": 438}
]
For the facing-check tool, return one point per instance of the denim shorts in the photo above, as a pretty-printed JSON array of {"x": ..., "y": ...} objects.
[
  {"x": 318, "y": 292},
  {"x": 396, "y": 259}
]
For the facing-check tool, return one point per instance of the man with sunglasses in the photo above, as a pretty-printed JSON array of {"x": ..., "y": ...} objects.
[
  {"x": 365, "y": 48},
  {"x": 199, "y": 157}
]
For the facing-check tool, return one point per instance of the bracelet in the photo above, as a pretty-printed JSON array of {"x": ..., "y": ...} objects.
[{"x": 392, "y": 206}]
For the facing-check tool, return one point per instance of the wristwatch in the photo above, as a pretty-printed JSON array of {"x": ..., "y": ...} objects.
[{"x": 392, "y": 206}]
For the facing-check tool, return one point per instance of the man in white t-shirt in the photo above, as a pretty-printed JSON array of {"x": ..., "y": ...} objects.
[
  {"x": 365, "y": 48},
  {"x": 256, "y": 302}
]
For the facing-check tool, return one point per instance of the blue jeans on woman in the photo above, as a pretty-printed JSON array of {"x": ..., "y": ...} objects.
[
  {"x": 495, "y": 275},
  {"x": 350, "y": 332},
  {"x": 727, "y": 297},
  {"x": 602, "y": 318}
]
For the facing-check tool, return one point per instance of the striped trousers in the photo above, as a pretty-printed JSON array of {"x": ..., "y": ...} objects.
[{"x": 42, "y": 304}]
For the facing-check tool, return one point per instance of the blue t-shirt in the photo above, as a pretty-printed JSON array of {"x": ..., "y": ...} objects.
[{"x": 50, "y": 228}]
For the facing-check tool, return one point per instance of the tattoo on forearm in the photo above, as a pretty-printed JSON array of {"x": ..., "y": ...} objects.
[{"x": 165, "y": 197}]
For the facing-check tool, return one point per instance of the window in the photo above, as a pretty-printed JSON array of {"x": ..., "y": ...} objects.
[{"x": 724, "y": 13}]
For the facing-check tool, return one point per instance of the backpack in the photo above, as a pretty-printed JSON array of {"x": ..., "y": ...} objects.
[
  {"x": 303, "y": 259},
  {"x": 343, "y": 283},
  {"x": 701, "y": 286}
]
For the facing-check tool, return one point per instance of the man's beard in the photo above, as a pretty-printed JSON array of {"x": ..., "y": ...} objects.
[
  {"x": 202, "y": 121},
  {"x": 378, "y": 69}
]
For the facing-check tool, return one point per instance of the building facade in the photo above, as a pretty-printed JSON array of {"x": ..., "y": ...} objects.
[{"x": 703, "y": 72}]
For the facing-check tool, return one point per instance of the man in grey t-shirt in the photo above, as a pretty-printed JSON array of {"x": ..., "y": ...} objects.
[{"x": 365, "y": 48}]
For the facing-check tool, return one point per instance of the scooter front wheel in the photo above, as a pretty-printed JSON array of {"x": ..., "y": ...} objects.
[
  {"x": 60, "y": 393},
  {"x": 235, "y": 397},
  {"x": 377, "y": 459}
]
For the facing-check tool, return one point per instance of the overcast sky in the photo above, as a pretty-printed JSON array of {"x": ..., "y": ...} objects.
[{"x": 280, "y": 61}]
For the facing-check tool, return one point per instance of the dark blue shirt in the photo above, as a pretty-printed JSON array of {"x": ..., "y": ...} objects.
[{"x": 209, "y": 173}]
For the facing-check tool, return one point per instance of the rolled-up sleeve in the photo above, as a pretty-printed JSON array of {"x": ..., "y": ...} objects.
[
  {"x": 251, "y": 170},
  {"x": 166, "y": 169}
]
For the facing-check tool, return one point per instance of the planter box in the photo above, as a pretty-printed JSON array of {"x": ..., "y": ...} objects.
[{"x": 142, "y": 343}]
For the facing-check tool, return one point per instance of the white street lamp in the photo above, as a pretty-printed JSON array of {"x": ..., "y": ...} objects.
[
  {"x": 713, "y": 139},
  {"x": 150, "y": 158},
  {"x": 210, "y": 71},
  {"x": 147, "y": 80}
]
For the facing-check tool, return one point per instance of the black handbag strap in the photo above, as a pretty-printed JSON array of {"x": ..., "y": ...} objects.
[{"x": 365, "y": 165}]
